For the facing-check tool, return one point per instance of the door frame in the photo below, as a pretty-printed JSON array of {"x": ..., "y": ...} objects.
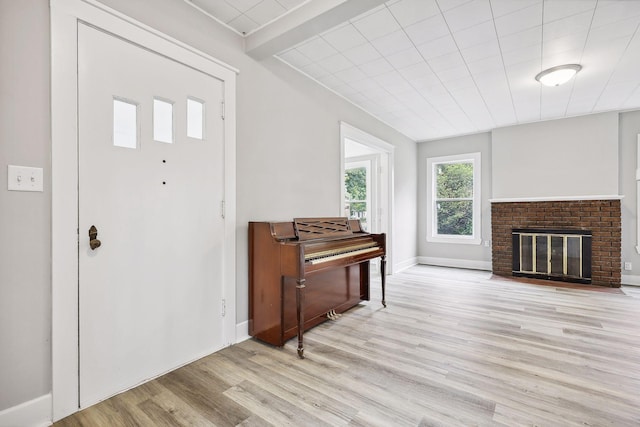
[
  {"x": 348, "y": 131},
  {"x": 65, "y": 16}
]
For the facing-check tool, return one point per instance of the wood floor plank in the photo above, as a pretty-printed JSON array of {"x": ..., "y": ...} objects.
[{"x": 452, "y": 348}]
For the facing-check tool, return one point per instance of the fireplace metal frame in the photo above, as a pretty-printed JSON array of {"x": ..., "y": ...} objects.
[{"x": 521, "y": 260}]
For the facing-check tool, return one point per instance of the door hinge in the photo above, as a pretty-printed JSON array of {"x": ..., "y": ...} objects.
[
  {"x": 222, "y": 113},
  {"x": 224, "y": 307},
  {"x": 222, "y": 209}
]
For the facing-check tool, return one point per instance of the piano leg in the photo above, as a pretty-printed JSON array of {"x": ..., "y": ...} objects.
[
  {"x": 383, "y": 277},
  {"x": 300, "y": 314}
]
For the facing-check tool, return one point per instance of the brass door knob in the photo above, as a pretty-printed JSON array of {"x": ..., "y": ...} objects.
[{"x": 93, "y": 241}]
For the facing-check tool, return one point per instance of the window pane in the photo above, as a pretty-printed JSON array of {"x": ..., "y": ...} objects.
[
  {"x": 356, "y": 194},
  {"x": 454, "y": 180},
  {"x": 455, "y": 217},
  {"x": 125, "y": 124},
  {"x": 162, "y": 121},
  {"x": 195, "y": 119}
]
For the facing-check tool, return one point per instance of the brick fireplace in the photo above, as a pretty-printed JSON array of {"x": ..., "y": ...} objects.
[{"x": 601, "y": 217}]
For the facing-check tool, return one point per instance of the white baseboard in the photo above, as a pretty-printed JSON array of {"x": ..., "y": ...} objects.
[
  {"x": 457, "y": 263},
  {"x": 34, "y": 413},
  {"x": 628, "y": 279},
  {"x": 242, "y": 331},
  {"x": 403, "y": 265}
]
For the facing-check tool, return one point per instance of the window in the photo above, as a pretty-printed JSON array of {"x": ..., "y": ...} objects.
[
  {"x": 195, "y": 118},
  {"x": 125, "y": 123},
  {"x": 453, "y": 198},
  {"x": 162, "y": 121},
  {"x": 357, "y": 180}
]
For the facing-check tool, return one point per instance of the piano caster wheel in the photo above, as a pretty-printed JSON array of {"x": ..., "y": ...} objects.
[
  {"x": 301, "y": 353},
  {"x": 384, "y": 304}
]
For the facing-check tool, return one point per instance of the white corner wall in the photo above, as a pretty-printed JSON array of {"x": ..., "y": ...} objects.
[
  {"x": 558, "y": 158},
  {"x": 25, "y": 218}
]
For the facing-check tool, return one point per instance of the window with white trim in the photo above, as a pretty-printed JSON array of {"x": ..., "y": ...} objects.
[{"x": 453, "y": 199}]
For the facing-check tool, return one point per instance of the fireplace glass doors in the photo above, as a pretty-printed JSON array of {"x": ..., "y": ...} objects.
[{"x": 552, "y": 254}]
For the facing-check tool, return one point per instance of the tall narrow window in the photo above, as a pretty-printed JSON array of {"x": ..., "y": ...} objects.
[
  {"x": 162, "y": 121},
  {"x": 125, "y": 123},
  {"x": 195, "y": 118},
  {"x": 453, "y": 194}
]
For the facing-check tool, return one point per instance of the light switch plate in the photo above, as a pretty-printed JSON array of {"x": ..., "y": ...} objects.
[{"x": 23, "y": 178}]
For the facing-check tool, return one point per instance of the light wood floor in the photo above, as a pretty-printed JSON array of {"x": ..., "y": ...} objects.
[{"x": 453, "y": 347}]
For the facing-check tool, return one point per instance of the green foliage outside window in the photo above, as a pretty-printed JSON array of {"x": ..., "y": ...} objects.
[
  {"x": 454, "y": 198},
  {"x": 355, "y": 180}
]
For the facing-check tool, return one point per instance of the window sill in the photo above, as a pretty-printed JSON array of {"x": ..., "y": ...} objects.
[{"x": 455, "y": 240}]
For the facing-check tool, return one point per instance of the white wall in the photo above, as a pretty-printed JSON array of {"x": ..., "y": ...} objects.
[
  {"x": 569, "y": 157},
  {"x": 629, "y": 130},
  {"x": 451, "y": 254},
  {"x": 288, "y": 151},
  {"x": 25, "y": 284}
]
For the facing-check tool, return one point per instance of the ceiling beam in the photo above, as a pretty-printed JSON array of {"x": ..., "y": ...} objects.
[{"x": 306, "y": 21}]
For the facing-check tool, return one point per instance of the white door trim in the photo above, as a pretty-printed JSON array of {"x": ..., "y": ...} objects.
[
  {"x": 65, "y": 15},
  {"x": 348, "y": 131}
]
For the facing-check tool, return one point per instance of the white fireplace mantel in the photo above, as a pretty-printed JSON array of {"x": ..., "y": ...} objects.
[{"x": 557, "y": 198}]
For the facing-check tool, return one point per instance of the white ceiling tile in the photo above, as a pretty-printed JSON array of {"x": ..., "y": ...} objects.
[
  {"x": 364, "y": 85},
  {"x": 295, "y": 58},
  {"x": 478, "y": 34},
  {"x": 393, "y": 82},
  {"x": 362, "y": 54},
  {"x": 462, "y": 83},
  {"x": 609, "y": 12},
  {"x": 344, "y": 89},
  {"x": 392, "y": 43},
  {"x": 622, "y": 28},
  {"x": 243, "y": 5},
  {"x": 290, "y": 4},
  {"x": 375, "y": 68},
  {"x": 218, "y": 8},
  {"x": 520, "y": 20},
  {"x": 468, "y": 15},
  {"x": 243, "y": 24},
  {"x": 351, "y": 75},
  {"x": 450, "y": 4},
  {"x": 427, "y": 30},
  {"x": 505, "y": 7},
  {"x": 415, "y": 71},
  {"x": 331, "y": 81},
  {"x": 344, "y": 38},
  {"x": 316, "y": 49},
  {"x": 493, "y": 63},
  {"x": 449, "y": 74},
  {"x": 405, "y": 58},
  {"x": 634, "y": 99},
  {"x": 529, "y": 53},
  {"x": 315, "y": 71},
  {"x": 438, "y": 47},
  {"x": 422, "y": 83},
  {"x": 575, "y": 41},
  {"x": 446, "y": 62},
  {"x": 572, "y": 24},
  {"x": 554, "y": 10},
  {"x": 615, "y": 94},
  {"x": 409, "y": 12},
  {"x": 377, "y": 25},
  {"x": 521, "y": 39},
  {"x": 265, "y": 11},
  {"x": 335, "y": 63},
  {"x": 480, "y": 51}
]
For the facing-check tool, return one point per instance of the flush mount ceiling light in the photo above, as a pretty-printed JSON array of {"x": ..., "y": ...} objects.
[{"x": 555, "y": 76}]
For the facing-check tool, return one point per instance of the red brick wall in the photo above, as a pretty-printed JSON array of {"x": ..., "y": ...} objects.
[{"x": 602, "y": 217}]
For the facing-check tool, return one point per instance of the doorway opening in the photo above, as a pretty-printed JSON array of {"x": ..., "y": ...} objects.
[{"x": 367, "y": 182}]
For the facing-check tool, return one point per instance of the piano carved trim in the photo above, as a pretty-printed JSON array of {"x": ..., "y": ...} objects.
[{"x": 294, "y": 282}]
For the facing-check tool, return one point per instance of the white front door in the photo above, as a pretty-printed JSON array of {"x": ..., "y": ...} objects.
[{"x": 151, "y": 181}]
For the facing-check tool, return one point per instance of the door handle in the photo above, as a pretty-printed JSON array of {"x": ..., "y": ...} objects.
[{"x": 93, "y": 241}]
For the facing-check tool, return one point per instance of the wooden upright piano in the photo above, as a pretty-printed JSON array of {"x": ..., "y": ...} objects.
[{"x": 304, "y": 272}]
